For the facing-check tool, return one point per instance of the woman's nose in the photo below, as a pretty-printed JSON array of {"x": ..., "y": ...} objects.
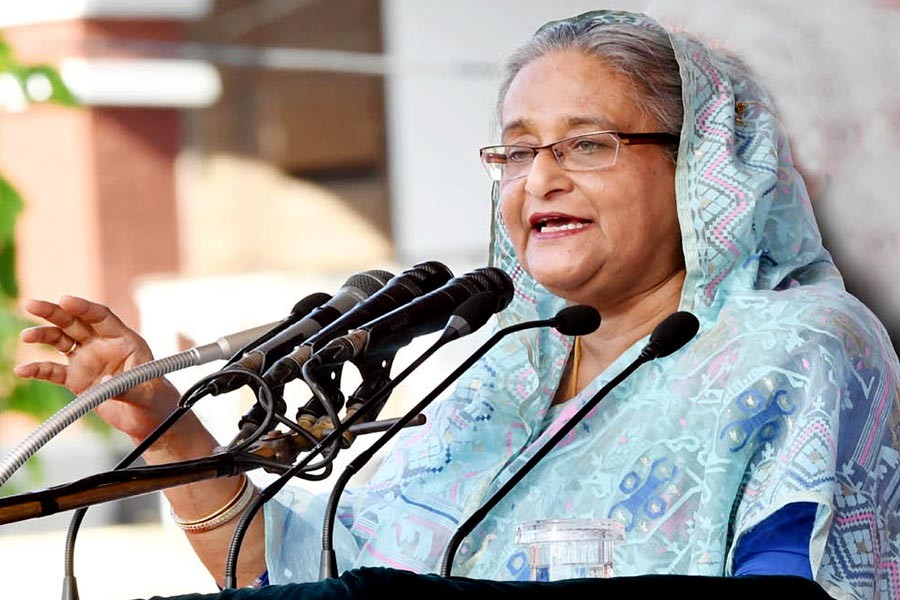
[{"x": 546, "y": 175}]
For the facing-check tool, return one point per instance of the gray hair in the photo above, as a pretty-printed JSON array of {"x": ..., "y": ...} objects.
[{"x": 642, "y": 54}]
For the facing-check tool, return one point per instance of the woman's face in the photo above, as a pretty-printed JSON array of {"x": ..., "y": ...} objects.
[{"x": 599, "y": 237}]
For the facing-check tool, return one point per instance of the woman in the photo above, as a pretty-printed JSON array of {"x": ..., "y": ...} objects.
[{"x": 781, "y": 416}]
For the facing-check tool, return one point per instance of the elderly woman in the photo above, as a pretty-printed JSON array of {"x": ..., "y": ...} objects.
[{"x": 638, "y": 172}]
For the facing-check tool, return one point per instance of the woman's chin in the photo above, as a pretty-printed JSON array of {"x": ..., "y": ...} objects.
[{"x": 561, "y": 283}]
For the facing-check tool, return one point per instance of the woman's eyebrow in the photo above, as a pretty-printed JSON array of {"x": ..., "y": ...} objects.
[
  {"x": 515, "y": 125},
  {"x": 601, "y": 123}
]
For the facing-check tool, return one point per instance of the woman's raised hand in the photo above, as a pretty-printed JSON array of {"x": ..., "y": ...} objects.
[{"x": 97, "y": 346}]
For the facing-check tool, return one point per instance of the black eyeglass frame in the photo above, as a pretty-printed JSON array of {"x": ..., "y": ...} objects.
[{"x": 626, "y": 138}]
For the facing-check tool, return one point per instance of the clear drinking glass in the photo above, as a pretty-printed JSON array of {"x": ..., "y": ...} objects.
[{"x": 570, "y": 548}]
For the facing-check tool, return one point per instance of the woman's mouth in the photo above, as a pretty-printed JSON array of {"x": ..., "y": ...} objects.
[
  {"x": 557, "y": 224},
  {"x": 548, "y": 228}
]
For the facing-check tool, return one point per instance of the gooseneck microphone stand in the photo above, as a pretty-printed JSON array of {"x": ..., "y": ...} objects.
[
  {"x": 91, "y": 398},
  {"x": 224, "y": 348},
  {"x": 576, "y": 320},
  {"x": 70, "y": 585},
  {"x": 670, "y": 335},
  {"x": 471, "y": 315},
  {"x": 122, "y": 483}
]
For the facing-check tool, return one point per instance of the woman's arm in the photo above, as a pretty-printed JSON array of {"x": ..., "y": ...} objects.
[
  {"x": 98, "y": 345},
  {"x": 779, "y": 545}
]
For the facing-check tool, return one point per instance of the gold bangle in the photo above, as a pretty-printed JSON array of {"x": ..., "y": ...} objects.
[{"x": 226, "y": 513}]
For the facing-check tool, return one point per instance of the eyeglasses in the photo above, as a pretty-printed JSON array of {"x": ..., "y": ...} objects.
[{"x": 586, "y": 152}]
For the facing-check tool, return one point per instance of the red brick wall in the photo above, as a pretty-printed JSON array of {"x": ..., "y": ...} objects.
[{"x": 98, "y": 182}]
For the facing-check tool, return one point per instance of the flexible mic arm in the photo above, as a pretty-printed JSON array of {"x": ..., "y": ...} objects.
[
  {"x": 95, "y": 396},
  {"x": 222, "y": 348},
  {"x": 670, "y": 335},
  {"x": 232, "y": 345},
  {"x": 328, "y": 564},
  {"x": 188, "y": 399},
  {"x": 477, "y": 310},
  {"x": 122, "y": 482},
  {"x": 118, "y": 484}
]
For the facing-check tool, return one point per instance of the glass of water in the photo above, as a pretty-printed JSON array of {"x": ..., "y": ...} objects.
[{"x": 570, "y": 548}]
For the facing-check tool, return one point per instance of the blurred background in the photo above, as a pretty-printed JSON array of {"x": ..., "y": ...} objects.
[{"x": 218, "y": 160}]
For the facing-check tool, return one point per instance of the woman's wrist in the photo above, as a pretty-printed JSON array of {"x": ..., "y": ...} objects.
[
  {"x": 187, "y": 438},
  {"x": 221, "y": 515}
]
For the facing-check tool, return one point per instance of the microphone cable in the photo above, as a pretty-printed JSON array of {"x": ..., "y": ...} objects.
[
  {"x": 356, "y": 289},
  {"x": 480, "y": 306},
  {"x": 221, "y": 348},
  {"x": 372, "y": 346},
  {"x": 94, "y": 397},
  {"x": 672, "y": 333},
  {"x": 188, "y": 399}
]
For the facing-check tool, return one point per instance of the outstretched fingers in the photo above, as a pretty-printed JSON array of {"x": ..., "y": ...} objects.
[
  {"x": 62, "y": 318},
  {"x": 96, "y": 316},
  {"x": 50, "y": 335},
  {"x": 48, "y": 371}
]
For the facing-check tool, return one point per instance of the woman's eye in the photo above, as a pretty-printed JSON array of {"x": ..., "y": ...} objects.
[
  {"x": 586, "y": 146},
  {"x": 519, "y": 155}
]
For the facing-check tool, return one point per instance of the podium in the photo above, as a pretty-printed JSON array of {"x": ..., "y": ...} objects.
[{"x": 379, "y": 582}]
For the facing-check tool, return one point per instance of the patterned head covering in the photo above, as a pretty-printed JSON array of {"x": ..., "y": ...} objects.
[{"x": 789, "y": 393}]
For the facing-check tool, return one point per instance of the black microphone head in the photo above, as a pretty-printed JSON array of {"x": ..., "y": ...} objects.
[
  {"x": 499, "y": 282},
  {"x": 476, "y": 311},
  {"x": 428, "y": 275},
  {"x": 577, "y": 320},
  {"x": 672, "y": 333},
  {"x": 369, "y": 282},
  {"x": 306, "y": 305},
  {"x": 419, "y": 279}
]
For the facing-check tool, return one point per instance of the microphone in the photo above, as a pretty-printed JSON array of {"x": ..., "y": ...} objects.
[
  {"x": 578, "y": 319},
  {"x": 368, "y": 399},
  {"x": 426, "y": 314},
  {"x": 471, "y": 315},
  {"x": 229, "y": 345},
  {"x": 357, "y": 288},
  {"x": 222, "y": 348},
  {"x": 401, "y": 289},
  {"x": 672, "y": 333},
  {"x": 572, "y": 320}
]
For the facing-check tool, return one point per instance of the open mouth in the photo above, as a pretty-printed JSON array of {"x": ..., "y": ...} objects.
[{"x": 558, "y": 224}]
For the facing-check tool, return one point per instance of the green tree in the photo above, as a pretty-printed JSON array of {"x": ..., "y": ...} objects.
[{"x": 20, "y": 86}]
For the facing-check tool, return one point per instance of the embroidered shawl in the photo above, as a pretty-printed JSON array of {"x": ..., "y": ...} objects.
[{"x": 789, "y": 393}]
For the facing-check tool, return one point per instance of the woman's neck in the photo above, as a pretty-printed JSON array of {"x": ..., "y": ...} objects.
[
  {"x": 620, "y": 327},
  {"x": 623, "y": 325}
]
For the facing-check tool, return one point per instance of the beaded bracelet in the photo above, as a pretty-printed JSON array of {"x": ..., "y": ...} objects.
[{"x": 232, "y": 508}]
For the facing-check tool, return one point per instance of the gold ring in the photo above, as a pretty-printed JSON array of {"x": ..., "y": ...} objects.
[{"x": 72, "y": 349}]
